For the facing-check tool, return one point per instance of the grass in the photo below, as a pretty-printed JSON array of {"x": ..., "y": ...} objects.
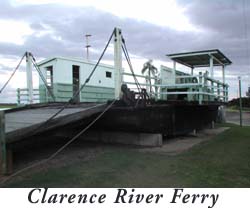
[
  {"x": 236, "y": 108},
  {"x": 8, "y": 105},
  {"x": 220, "y": 162}
]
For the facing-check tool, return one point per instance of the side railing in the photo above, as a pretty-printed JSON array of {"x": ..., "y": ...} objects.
[
  {"x": 191, "y": 87},
  {"x": 23, "y": 96}
]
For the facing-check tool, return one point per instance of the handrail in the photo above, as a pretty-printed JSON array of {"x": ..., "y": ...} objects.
[{"x": 205, "y": 86}]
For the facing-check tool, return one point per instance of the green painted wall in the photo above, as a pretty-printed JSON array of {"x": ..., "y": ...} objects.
[{"x": 63, "y": 92}]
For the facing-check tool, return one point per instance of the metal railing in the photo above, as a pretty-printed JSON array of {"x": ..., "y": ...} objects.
[
  {"x": 23, "y": 96},
  {"x": 195, "y": 87}
]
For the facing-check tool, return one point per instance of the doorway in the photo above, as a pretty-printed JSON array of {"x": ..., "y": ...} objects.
[{"x": 76, "y": 82}]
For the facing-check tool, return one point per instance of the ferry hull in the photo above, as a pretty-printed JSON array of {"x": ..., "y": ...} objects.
[{"x": 169, "y": 119}]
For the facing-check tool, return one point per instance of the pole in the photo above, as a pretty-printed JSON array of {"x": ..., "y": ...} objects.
[
  {"x": 29, "y": 77},
  {"x": 87, "y": 45},
  {"x": 211, "y": 66},
  {"x": 240, "y": 101},
  {"x": 118, "y": 62},
  {"x": 174, "y": 72}
]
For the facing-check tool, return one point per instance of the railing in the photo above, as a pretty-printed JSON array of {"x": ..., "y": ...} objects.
[
  {"x": 193, "y": 87},
  {"x": 23, "y": 96}
]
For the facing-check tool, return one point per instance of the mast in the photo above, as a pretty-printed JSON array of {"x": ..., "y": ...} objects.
[
  {"x": 118, "y": 62},
  {"x": 29, "y": 77}
]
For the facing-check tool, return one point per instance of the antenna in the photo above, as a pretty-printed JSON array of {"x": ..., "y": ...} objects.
[{"x": 87, "y": 45}]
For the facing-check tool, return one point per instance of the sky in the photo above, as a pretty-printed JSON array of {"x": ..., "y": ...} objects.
[{"x": 152, "y": 29}]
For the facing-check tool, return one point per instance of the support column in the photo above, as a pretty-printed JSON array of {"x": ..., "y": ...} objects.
[
  {"x": 211, "y": 66},
  {"x": 206, "y": 97},
  {"x": 224, "y": 82},
  {"x": 192, "y": 71},
  {"x": 200, "y": 88},
  {"x": 218, "y": 91},
  {"x": 223, "y": 74},
  {"x": 29, "y": 77},
  {"x": 118, "y": 62},
  {"x": 174, "y": 72}
]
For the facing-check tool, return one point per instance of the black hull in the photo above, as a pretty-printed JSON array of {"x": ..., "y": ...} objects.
[{"x": 167, "y": 119}]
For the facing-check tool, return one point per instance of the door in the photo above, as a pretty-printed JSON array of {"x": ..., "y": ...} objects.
[{"x": 76, "y": 82}]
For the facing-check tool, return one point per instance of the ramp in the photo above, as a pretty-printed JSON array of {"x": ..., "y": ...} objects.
[
  {"x": 17, "y": 125},
  {"x": 28, "y": 121}
]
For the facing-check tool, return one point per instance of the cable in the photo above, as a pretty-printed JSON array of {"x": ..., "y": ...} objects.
[
  {"x": 13, "y": 73},
  {"x": 125, "y": 50},
  {"x": 92, "y": 72},
  {"x": 61, "y": 148},
  {"x": 79, "y": 90},
  {"x": 131, "y": 69},
  {"x": 42, "y": 77}
]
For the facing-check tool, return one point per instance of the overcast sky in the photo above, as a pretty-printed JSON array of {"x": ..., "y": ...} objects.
[{"x": 152, "y": 29}]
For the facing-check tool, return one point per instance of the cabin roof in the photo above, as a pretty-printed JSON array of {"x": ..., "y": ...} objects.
[
  {"x": 47, "y": 60},
  {"x": 200, "y": 58}
]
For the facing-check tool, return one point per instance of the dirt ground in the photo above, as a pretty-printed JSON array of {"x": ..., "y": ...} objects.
[
  {"x": 83, "y": 151},
  {"x": 180, "y": 144}
]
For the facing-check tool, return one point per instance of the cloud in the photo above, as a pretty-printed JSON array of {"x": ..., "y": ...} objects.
[
  {"x": 59, "y": 30},
  {"x": 227, "y": 25}
]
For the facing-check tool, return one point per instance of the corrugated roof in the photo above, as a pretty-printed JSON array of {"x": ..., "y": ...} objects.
[{"x": 200, "y": 58}]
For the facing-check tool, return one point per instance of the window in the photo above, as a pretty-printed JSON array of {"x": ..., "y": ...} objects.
[{"x": 108, "y": 74}]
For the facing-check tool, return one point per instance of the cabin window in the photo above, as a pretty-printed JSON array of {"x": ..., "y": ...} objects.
[
  {"x": 108, "y": 74},
  {"x": 49, "y": 75}
]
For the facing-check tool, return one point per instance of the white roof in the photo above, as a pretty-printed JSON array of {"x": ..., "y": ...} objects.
[{"x": 71, "y": 59}]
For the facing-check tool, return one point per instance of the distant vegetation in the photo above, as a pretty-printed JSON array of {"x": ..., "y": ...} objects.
[
  {"x": 8, "y": 105},
  {"x": 234, "y": 103}
]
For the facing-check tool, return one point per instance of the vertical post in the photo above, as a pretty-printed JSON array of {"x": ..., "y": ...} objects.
[
  {"x": 29, "y": 77},
  {"x": 18, "y": 96},
  {"x": 205, "y": 85},
  {"x": 223, "y": 74},
  {"x": 3, "y": 155},
  {"x": 200, "y": 88},
  {"x": 224, "y": 82},
  {"x": 118, "y": 62},
  {"x": 240, "y": 101},
  {"x": 226, "y": 88},
  {"x": 218, "y": 91},
  {"x": 174, "y": 71},
  {"x": 211, "y": 66},
  {"x": 192, "y": 71}
]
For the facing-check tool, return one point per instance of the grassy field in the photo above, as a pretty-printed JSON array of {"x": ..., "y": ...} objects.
[
  {"x": 2, "y": 105},
  {"x": 223, "y": 161}
]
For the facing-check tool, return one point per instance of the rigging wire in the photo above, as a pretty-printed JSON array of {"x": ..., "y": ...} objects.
[
  {"x": 80, "y": 89},
  {"x": 61, "y": 148},
  {"x": 131, "y": 69},
  {"x": 42, "y": 77},
  {"x": 125, "y": 50},
  {"x": 88, "y": 126},
  {"x": 13, "y": 73},
  {"x": 54, "y": 115}
]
